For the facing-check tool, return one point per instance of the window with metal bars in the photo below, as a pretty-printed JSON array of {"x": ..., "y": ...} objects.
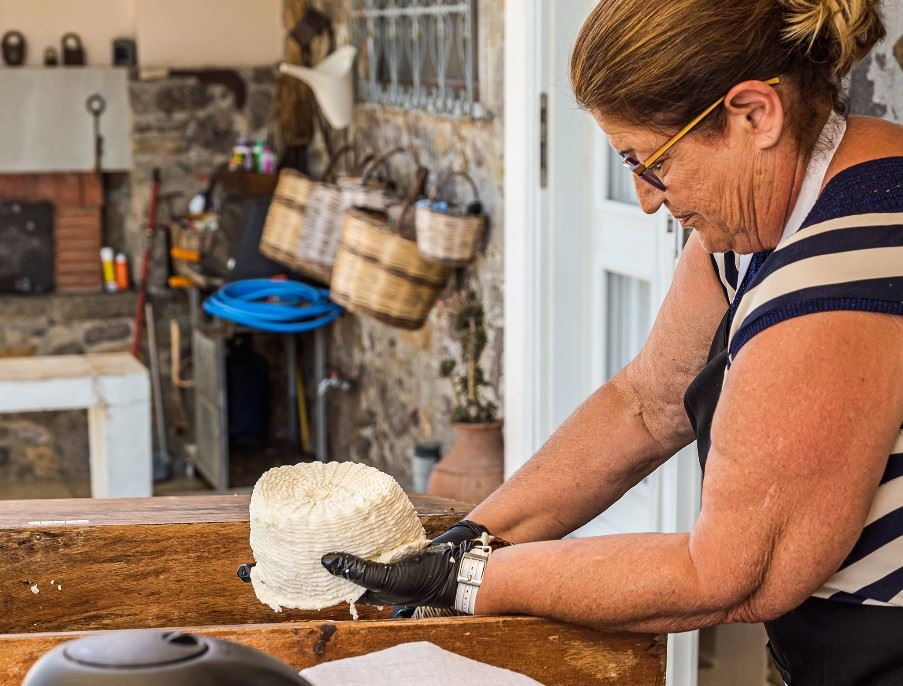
[{"x": 418, "y": 54}]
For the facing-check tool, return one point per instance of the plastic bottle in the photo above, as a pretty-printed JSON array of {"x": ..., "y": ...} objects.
[
  {"x": 122, "y": 272},
  {"x": 241, "y": 156},
  {"x": 109, "y": 275},
  {"x": 268, "y": 161},
  {"x": 257, "y": 155}
]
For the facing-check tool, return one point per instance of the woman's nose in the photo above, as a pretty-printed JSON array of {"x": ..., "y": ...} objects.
[{"x": 650, "y": 197}]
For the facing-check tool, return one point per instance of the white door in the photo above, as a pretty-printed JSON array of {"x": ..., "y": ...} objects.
[
  {"x": 593, "y": 270},
  {"x": 627, "y": 282}
]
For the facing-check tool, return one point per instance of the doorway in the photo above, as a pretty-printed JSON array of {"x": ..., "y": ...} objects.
[{"x": 585, "y": 273}]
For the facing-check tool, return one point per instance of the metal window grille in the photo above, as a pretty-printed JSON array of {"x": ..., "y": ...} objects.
[{"x": 419, "y": 55}]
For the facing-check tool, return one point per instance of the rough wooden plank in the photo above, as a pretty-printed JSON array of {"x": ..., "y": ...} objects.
[
  {"x": 142, "y": 562},
  {"x": 22, "y": 514},
  {"x": 552, "y": 653}
]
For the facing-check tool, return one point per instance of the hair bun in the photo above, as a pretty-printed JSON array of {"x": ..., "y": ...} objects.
[{"x": 844, "y": 30}]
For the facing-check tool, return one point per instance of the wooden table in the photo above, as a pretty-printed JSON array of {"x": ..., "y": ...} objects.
[{"x": 72, "y": 566}]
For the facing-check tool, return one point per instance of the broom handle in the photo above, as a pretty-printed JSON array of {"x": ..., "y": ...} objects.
[{"x": 145, "y": 265}]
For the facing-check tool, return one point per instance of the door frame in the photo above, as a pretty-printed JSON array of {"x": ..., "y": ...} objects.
[{"x": 541, "y": 369}]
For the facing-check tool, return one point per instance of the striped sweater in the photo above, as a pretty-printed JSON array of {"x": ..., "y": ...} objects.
[{"x": 847, "y": 255}]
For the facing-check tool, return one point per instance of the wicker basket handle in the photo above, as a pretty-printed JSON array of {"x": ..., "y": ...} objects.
[
  {"x": 416, "y": 191},
  {"x": 329, "y": 174},
  {"x": 359, "y": 167},
  {"x": 448, "y": 176},
  {"x": 383, "y": 159}
]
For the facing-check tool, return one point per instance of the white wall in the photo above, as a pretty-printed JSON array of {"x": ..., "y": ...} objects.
[
  {"x": 209, "y": 33},
  {"x": 43, "y": 22},
  {"x": 169, "y": 33}
]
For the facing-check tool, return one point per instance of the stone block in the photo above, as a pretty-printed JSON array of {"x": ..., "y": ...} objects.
[{"x": 106, "y": 332}]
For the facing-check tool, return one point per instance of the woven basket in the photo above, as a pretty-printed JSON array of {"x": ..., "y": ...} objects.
[
  {"x": 288, "y": 238},
  {"x": 379, "y": 272},
  {"x": 446, "y": 237}
]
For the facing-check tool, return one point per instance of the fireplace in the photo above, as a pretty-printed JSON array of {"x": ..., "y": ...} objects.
[{"x": 62, "y": 209}]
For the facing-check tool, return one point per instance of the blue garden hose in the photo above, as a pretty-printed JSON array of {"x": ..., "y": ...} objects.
[{"x": 270, "y": 305}]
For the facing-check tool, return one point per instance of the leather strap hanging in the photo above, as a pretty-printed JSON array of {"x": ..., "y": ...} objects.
[{"x": 311, "y": 25}]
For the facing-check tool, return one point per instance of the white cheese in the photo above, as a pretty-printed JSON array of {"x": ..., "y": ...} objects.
[{"x": 300, "y": 512}]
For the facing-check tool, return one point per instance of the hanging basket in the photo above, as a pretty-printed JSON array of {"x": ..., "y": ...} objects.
[
  {"x": 380, "y": 273},
  {"x": 288, "y": 238},
  {"x": 449, "y": 237}
]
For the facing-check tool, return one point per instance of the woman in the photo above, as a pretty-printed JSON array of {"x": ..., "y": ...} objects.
[{"x": 729, "y": 114}]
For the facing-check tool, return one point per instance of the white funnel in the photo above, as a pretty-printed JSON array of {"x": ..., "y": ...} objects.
[{"x": 331, "y": 82}]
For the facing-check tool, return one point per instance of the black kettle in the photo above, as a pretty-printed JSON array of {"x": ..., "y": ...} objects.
[{"x": 153, "y": 656}]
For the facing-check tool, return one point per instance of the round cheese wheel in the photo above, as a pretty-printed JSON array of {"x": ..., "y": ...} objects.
[{"x": 300, "y": 512}]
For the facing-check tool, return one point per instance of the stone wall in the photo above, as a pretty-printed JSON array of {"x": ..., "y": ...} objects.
[
  {"x": 397, "y": 395},
  {"x": 876, "y": 84},
  {"x": 185, "y": 126}
]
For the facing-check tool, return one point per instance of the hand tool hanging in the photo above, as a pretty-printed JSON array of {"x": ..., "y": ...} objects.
[
  {"x": 96, "y": 106},
  {"x": 145, "y": 265}
]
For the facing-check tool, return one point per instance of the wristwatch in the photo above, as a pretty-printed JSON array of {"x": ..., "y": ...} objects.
[{"x": 470, "y": 575}]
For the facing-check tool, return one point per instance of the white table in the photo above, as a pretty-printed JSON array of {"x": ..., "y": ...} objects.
[{"x": 115, "y": 389}]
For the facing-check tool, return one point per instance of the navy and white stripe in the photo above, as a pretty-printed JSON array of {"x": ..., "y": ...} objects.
[
  {"x": 726, "y": 267},
  {"x": 848, "y": 255},
  {"x": 872, "y": 574}
]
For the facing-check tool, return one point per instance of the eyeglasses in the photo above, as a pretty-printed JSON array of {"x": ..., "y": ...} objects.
[{"x": 645, "y": 169}]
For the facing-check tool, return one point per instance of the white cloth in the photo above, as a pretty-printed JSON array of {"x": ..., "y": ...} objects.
[
  {"x": 421, "y": 663},
  {"x": 828, "y": 141}
]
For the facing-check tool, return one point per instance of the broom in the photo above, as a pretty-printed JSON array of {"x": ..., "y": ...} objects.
[{"x": 145, "y": 265}]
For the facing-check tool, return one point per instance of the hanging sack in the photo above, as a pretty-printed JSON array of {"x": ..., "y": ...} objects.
[
  {"x": 446, "y": 233},
  {"x": 379, "y": 271}
]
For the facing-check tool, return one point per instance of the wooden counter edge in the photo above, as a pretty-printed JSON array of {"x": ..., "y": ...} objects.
[
  {"x": 550, "y": 652},
  {"x": 31, "y": 514}
]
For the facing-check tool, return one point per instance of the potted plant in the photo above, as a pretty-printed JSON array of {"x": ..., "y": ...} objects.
[{"x": 474, "y": 467}]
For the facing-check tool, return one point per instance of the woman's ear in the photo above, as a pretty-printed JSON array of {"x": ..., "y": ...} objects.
[{"x": 755, "y": 109}]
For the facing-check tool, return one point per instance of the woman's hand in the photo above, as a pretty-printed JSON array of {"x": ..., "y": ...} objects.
[
  {"x": 428, "y": 578},
  {"x": 460, "y": 531}
]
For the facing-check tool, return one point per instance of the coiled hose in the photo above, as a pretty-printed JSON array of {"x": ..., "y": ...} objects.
[{"x": 272, "y": 305}]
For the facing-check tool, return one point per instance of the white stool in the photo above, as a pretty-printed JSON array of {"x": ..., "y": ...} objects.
[{"x": 115, "y": 388}]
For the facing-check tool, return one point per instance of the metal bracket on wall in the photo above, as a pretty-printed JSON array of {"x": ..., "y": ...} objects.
[{"x": 419, "y": 55}]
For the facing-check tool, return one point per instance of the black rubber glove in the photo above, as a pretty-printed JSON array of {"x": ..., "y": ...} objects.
[
  {"x": 428, "y": 578},
  {"x": 464, "y": 530}
]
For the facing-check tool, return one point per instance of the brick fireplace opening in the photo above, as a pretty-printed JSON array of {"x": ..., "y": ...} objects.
[{"x": 76, "y": 224}]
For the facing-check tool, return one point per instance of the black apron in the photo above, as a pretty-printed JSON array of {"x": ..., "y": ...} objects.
[{"x": 821, "y": 642}]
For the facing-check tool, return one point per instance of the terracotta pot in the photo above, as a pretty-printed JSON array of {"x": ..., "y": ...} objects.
[{"x": 474, "y": 467}]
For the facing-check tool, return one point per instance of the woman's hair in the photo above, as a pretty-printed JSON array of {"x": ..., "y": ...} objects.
[{"x": 661, "y": 63}]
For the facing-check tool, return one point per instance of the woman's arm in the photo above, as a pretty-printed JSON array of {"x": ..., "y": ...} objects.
[
  {"x": 807, "y": 418},
  {"x": 625, "y": 429}
]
